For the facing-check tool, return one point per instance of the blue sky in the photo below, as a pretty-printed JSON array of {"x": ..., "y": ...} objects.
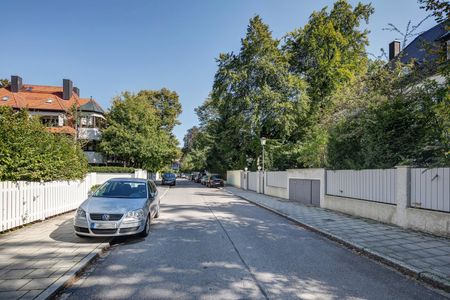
[{"x": 108, "y": 46}]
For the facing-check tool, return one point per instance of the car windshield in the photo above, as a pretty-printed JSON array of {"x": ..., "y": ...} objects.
[
  {"x": 169, "y": 175},
  {"x": 122, "y": 189},
  {"x": 215, "y": 177}
]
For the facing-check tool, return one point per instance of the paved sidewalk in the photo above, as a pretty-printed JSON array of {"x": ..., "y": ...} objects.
[
  {"x": 424, "y": 256},
  {"x": 39, "y": 258}
]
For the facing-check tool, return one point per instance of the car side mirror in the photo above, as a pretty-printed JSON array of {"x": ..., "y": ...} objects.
[{"x": 90, "y": 193}]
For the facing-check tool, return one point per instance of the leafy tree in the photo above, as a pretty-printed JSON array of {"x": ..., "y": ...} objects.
[
  {"x": 166, "y": 104},
  {"x": 135, "y": 136},
  {"x": 329, "y": 51},
  {"x": 254, "y": 95},
  {"x": 4, "y": 83},
  {"x": 440, "y": 9},
  {"x": 29, "y": 152},
  {"x": 397, "y": 121},
  {"x": 190, "y": 138}
]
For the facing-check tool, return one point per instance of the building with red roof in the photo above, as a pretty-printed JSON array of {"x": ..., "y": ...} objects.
[{"x": 58, "y": 107}]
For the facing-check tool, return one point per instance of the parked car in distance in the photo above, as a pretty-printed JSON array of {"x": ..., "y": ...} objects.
[
  {"x": 120, "y": 207},
  {"x": 214, "y": 180},
  {"x": 198, "y": 179},
  {"x": 204, "y": 179},
  {"x": 169, "y": 179},
  {"x": 194, "y": 176}
]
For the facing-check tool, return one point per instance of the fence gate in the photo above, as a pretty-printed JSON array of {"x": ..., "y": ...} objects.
[{"x": 306, "y": 191}]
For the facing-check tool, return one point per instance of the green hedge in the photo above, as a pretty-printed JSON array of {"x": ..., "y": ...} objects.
[
  {"x": 107, "y": 169},
  {"x": 28, "y": 152}
]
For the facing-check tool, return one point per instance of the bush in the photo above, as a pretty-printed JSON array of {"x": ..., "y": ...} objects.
[
  {"x": 28, "y": 152},
  {"x": 107, "y": 169},
  {"x": 94, "y": 188}
]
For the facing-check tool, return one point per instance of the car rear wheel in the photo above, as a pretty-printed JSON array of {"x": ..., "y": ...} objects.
[{"x": 144, "y": 233}]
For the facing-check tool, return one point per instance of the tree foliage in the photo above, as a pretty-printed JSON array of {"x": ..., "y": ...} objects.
[
  {"x": 397, "y": 122},
  {"x": 440, "y": 9},
  {"x": 137, "y": 133},
  {"x": 167, "y": 105},
  {"x": 254, "y": 95},
  {"x": 29, "y": 152},
  {"x": 4, "y": 83},
  {"x": 320, "y": 102}
]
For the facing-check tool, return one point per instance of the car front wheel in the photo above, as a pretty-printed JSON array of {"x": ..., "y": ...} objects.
[{"x": 144, "y": 233}]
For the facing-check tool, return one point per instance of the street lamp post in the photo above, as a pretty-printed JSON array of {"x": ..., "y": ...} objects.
[{"x": 263, "y": 143}]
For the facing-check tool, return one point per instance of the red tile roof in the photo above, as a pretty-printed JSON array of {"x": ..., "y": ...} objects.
[
  {"x": 39, "y": 97},
  {"x": 62, "y": 129}
]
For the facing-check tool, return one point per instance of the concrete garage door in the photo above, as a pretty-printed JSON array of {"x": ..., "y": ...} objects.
[{"x": 305, "y": 191}]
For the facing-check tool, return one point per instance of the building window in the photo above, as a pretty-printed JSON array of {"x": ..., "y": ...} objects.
[
  {"x": 92, "y": 122},
  {"x": 49, "y": 121},
  {"x": 91, "y": 146}
]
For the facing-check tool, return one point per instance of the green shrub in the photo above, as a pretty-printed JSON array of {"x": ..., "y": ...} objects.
[
  {"x": 28, "y": 152},
  {"x": 107, "y": 169},
  {"x": 94, "y": 188}
]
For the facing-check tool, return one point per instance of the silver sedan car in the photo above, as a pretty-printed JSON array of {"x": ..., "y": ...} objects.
[{"x": 119, "y": 207}]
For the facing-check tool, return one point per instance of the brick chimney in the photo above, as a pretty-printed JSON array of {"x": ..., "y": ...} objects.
[
  {"x": 394, "y": 49},
  {"x": 16, "y": 83},
  {"x": 67, "y": 89}
]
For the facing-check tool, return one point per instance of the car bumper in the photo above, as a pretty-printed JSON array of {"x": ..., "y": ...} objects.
[
  {"x": 168, "y": 182},
  {"x": 108, "y": 228}
]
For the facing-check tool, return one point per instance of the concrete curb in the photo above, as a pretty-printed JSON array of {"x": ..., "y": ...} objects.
[
  {"x": 67, "y": 279},
  {"x": 78, "y": 268},
  {"x": 409, "y": 270}
]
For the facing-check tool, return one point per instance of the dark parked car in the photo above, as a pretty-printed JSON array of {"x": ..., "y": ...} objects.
[
  {"x": 214, "y": 180},
  {"x": 169, "y": 179}
]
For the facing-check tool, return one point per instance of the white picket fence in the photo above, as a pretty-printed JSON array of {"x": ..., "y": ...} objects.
[{"x": 24, "y": 202}]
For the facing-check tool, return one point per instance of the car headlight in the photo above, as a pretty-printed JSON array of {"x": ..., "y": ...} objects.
[
  {"x": 135, "y": 214},
  {"x": 80, "y": 213}
]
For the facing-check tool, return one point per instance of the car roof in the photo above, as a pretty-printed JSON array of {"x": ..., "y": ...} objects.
[{"x": 129, "y": 179}]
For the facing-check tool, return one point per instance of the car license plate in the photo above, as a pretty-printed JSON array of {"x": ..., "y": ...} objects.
[{"x": 103, "y": 225}]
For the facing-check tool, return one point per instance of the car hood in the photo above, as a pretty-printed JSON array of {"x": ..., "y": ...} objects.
[{"x": 112, "y": 205}]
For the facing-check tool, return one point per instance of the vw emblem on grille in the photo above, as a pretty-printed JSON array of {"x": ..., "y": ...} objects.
[{"x": 105, "y": 217}]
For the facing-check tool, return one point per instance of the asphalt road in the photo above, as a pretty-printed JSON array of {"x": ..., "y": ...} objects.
[{"x": 208, "y": 244}]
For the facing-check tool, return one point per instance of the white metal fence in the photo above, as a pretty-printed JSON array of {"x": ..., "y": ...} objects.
[
  {"x": 430, "y": 188},
  {"x": 234, "y": 178},
  {"x": 24, "y": 202},
  {"x": 253, "y": 181},
  {"x": 277, "y": 179},
  {"x": 377, "y": 185}
]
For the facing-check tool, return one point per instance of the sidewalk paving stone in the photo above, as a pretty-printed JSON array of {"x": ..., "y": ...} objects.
[
  {"x": 38, "y": 259},
  {"x": 424, "y": 255},
  {"x": 34, "y": 257}
]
